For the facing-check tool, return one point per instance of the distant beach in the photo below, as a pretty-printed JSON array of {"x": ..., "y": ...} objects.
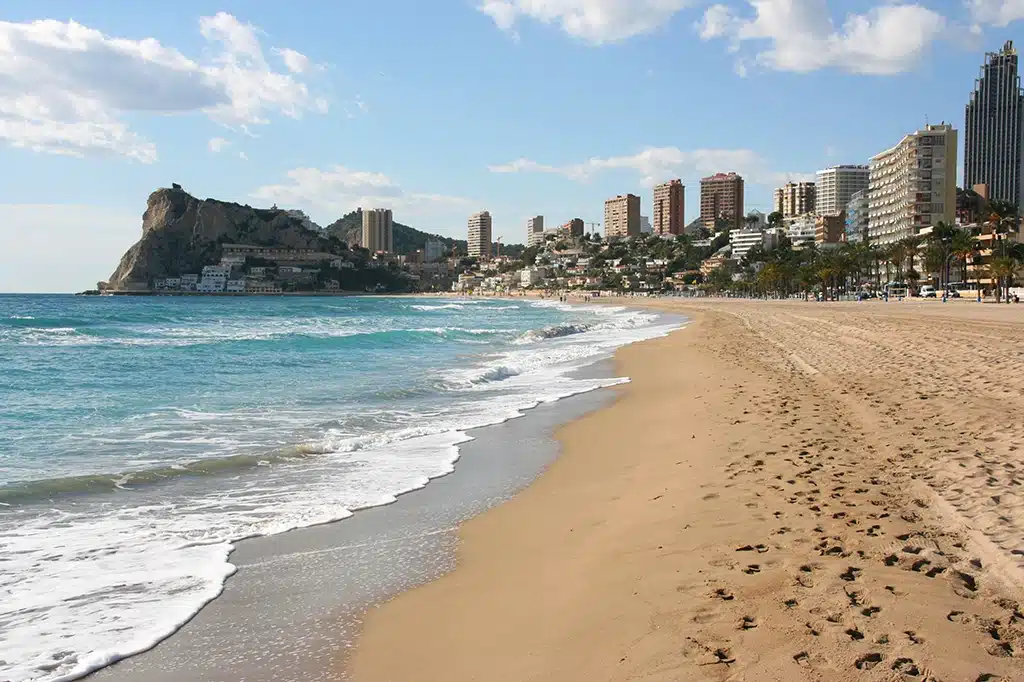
[{"x": 784, "y": 491}]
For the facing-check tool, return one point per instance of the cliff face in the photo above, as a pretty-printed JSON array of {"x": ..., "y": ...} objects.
[{"x": 181, "y": 234}]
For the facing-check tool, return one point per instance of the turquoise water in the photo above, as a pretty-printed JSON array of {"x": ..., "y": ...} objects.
[{"x": 140, "y": 437}]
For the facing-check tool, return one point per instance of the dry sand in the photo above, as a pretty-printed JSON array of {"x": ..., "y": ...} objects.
[{"x": 786, "y": 491}]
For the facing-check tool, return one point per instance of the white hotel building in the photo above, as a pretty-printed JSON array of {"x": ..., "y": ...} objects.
[
  {"x": 913, "y": 185},
  {"x": 744, "y": 240},
  {"x": 836, "y": 185}
]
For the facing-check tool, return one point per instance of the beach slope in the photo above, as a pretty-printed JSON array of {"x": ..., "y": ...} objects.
[{"x": 784, "y": 492}]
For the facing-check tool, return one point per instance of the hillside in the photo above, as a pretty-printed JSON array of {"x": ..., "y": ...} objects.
[
  {"x": 349, "y": 229},
  {"x": 181, "y": 234}
]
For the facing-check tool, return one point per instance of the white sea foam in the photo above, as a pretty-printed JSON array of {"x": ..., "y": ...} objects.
[
  {"x": 438, "y": 306},
  {"x": 130, "y": 575}
]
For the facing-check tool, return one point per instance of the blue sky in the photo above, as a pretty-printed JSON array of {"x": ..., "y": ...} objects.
[{"x": 440, "y": 108}]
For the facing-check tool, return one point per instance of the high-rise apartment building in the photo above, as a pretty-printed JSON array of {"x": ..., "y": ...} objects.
[
  {"x": 433, "y": 250},
  {"x": 994, "y": 129},
  {"x": 535, "y": 231},
  {"x": 913, "y": 185},
  {"x": 378, "y": 230},
  {"x": 794, "y": 198},
  {"x": 479, "y": 238},
  {"x": 574, "y": 228},
  {"x": 669, "y": 201},
  {"x": 622, "y": 216},
  {"x": 857, "y": 217},
  {"x": 721, "y": 198},
  {"x": 836, "y": 185}
]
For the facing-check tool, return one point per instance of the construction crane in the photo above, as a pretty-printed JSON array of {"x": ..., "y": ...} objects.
[{"x": 595, "y": 225}]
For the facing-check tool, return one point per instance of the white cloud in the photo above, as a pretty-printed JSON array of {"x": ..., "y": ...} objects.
[
  {"x": 657, "y": 164},
  {"x": 329, "y": 193},
  {"x": 217, "y": 144},
  {"x": 295, "y": 61},
  {"x": 80, "y": 245},
  {"x": 243, "y": 156},
  {"x": 996, "y": 12},
  {"x": 65, "y": 88},
  {"x": 801, "y": 35},
  {"x": 594, "y": 21}
]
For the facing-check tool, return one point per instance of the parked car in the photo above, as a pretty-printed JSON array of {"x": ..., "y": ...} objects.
[{"x": 927, "y": 291}]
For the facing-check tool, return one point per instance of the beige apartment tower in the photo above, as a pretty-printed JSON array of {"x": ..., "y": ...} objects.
[
  {"x": 378, "y": 230},
  {"x": 913, "y": 185},
  {"x": 622, "y": 216},
  {"x": 669, "y": 199},
  {"x": 535, "y": 231},
  {"x": 479, "y": 236},
  {"x": 794, "y": 198},
  {"x": 721, "y": 198}
]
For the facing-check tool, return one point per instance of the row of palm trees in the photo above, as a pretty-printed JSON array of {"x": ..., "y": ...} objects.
[{"x": 851, "y": 266}]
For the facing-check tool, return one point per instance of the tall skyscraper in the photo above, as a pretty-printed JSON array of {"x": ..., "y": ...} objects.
[
  {"x": 669, "y": 200},
  {"x": 479, "y": 237},
  {"x": 836, "y": 186},
  {"x": 994, "y": 129},
  {"x": 794, "y": 198},
  {"x": 721, "y": 197},
  {"x": 378, "y": 230},
  {"x": 535, "y": 231},
  {"x": 913, "y": 185},
  {"x": 622, "y": 216}
]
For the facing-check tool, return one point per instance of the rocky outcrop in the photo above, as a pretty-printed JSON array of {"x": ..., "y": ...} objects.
[{"x": 181, "y": 234}]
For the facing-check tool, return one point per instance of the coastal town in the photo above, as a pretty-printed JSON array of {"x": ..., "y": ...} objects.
[{"x": 898, "y": 225}]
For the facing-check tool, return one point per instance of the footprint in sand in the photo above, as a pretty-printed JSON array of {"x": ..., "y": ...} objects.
[
  {"x": 851, "y": 574},
  {"x": 748, "y": 623},
  {"x": 868, "y": 661},
  {"x": 752, "y": 569},
  {"x": 906, "y": 666}
]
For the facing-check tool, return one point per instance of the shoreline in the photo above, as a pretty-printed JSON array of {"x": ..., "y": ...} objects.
[
  {"x": 379, "y": 573},
  {"x": 750, "y": 507}
]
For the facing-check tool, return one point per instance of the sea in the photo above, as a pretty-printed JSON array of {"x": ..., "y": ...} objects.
[{"x": 141, "y": 437}]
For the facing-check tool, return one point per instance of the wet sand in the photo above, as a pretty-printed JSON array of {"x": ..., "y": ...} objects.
[
  {"x": 786, "y": 491},
  {"x": 297, "y": 598}
]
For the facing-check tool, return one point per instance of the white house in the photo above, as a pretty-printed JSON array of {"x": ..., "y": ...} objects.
[
  {"x": 262, "y": 287},
  {"x": 529, "y": 277},
  {"x": 211, "y": 285},
  {"x": 189, "y": 282},
  {"x": 235, "y": 286}
]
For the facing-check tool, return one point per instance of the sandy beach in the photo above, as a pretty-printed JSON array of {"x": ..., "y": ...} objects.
[{"x": 785, "y": 491}]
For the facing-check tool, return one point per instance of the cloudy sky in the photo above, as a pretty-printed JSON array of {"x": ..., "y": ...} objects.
[{"x": 440, "y": 108}]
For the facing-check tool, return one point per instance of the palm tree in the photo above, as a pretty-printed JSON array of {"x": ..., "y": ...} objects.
[
  {"x": 912, "y": 244},
  {"x": 964, "y": 246},
  {"x": 941, "y": 239},
  {"x": 896, "y": 253},
  {"x": 807, "y": 276},
  {"x": 1002, "y": 269}
]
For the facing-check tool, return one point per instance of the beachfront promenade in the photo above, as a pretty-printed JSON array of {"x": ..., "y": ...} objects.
[{"x": 785, "y": 491}]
